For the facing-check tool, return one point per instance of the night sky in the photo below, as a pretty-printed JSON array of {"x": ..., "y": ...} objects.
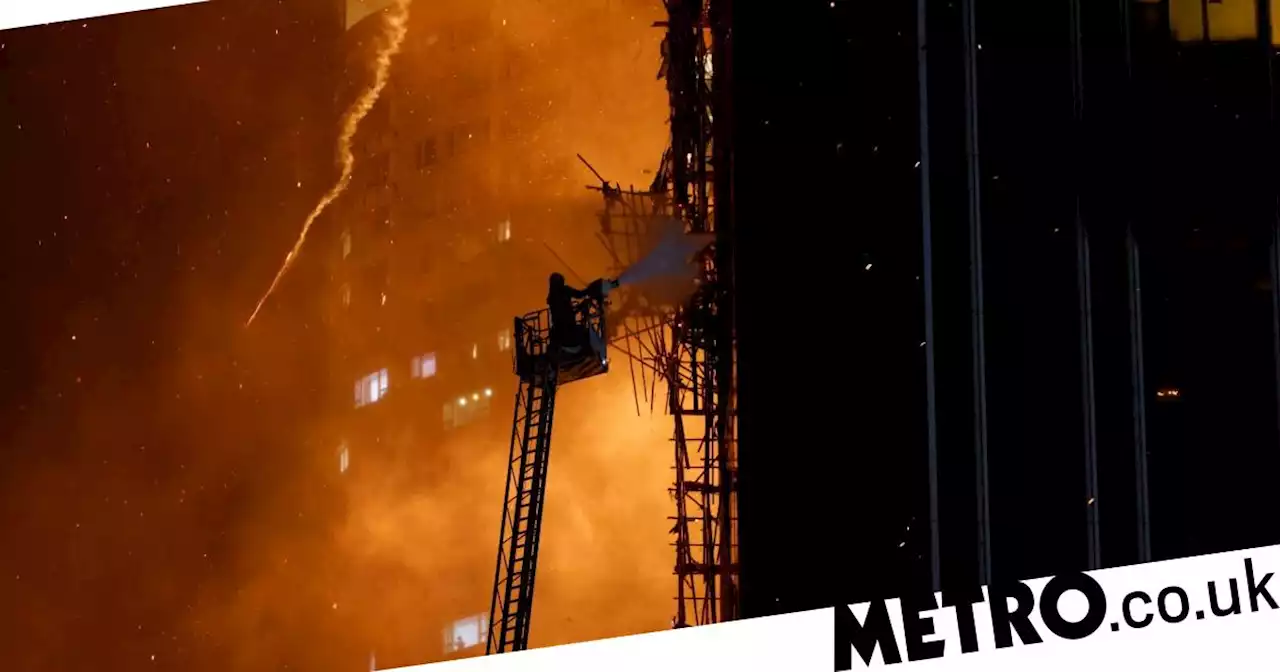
[{"x": 154, "y": 170}]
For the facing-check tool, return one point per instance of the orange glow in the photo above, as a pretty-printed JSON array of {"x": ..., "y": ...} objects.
[
  {"x": 1226, "y": 21},
  {"x": 486, "y": 109},
  {"x": 183, "y": 487},
  {"x": 273, "y": 523}
]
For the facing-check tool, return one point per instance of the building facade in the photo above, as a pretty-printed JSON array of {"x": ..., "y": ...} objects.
[
  {"x": 1066, "y": 301},
  {"x": 432, "y": 254}
]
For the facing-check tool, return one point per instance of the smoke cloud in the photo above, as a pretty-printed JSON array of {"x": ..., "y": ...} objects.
[{"x": 172, "y": 492}]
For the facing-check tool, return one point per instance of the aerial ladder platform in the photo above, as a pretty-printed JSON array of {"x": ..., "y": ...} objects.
[{"x": 541, "y": 371}]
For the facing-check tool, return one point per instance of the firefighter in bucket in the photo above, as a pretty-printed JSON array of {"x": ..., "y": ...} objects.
[{"x": 571, "y": 337}]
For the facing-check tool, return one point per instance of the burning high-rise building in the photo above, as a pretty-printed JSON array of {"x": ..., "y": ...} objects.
[
  {"x": 447, "y": 230},
  {"x": 423, "y": 246}
]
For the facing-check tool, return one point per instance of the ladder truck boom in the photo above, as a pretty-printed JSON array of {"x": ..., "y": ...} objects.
[{"x": 541, "y": 369}]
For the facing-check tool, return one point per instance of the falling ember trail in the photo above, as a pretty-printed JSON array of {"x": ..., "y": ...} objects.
[{"x": 396, "y": 25}]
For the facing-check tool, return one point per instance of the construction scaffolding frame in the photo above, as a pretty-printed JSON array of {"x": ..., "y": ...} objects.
[{"x": 690, "y": 347}]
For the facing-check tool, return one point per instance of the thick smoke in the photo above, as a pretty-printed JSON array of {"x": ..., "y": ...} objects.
[
  {"x": 419, "y": 540},
  {"x": 172, "y": 495}
]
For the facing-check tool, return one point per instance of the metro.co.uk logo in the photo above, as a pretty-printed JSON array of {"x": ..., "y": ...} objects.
[
  {"x": 1212, "y": 612},
  {"x": 1067, "y": 607}
]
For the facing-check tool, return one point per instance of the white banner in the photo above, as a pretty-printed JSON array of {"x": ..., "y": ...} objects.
[
  {"x": 23, "y": 13},
  {"x": 1213, "y": 612}
]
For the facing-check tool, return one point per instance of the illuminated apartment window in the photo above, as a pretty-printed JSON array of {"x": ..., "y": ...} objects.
[
  {"x": 466, "y": 633},
  {"x": 346, "y": 295},
  {"x": 504, "y": 340},
  {"x": 1219, "y": 20},
  {"x": 1275, "y": 22},
  {"x": 504, "y": 231},
  {"x": 475, "y": 351},
  {"x": 1233, "y": 20},
  {"x": 462, "y": 413},
  {"x": 468, "y": 408},
  {"x": 371, "y": 388},
  {"x": 344, "y": 459},
  {"x": 346, "y": 243},
  {"x": 424, "y": 366}
]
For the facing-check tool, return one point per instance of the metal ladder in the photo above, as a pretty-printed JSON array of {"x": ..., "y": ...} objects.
[{"x": 512, "y": 602}]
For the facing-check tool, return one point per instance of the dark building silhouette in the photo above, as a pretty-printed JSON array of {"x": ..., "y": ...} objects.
[{"x": 1062, "y": 279}]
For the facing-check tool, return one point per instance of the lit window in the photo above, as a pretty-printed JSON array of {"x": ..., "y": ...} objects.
[
  {"x": 1169, "y": 393},
  {"x": 475, "y": 351},
  {"x": 424, "y": 366},
  {"x": 467, "y": 408},
  {"x": 346, "y": 243},
  {"x": 384, "y": 298},
  {"x": 465, "y": 633},
  {"x": 346, "y": 295},
  {"x": 372, "y": 388},
  {"x": 504, "y": 231},
  {"x": 344, "y": 459},
  {"x": 1216, "y": 20},
  {"x": 504, "y": 340}
]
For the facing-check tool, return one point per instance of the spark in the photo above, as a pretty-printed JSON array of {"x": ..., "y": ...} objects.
[{"x": 396, "y": 25}]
